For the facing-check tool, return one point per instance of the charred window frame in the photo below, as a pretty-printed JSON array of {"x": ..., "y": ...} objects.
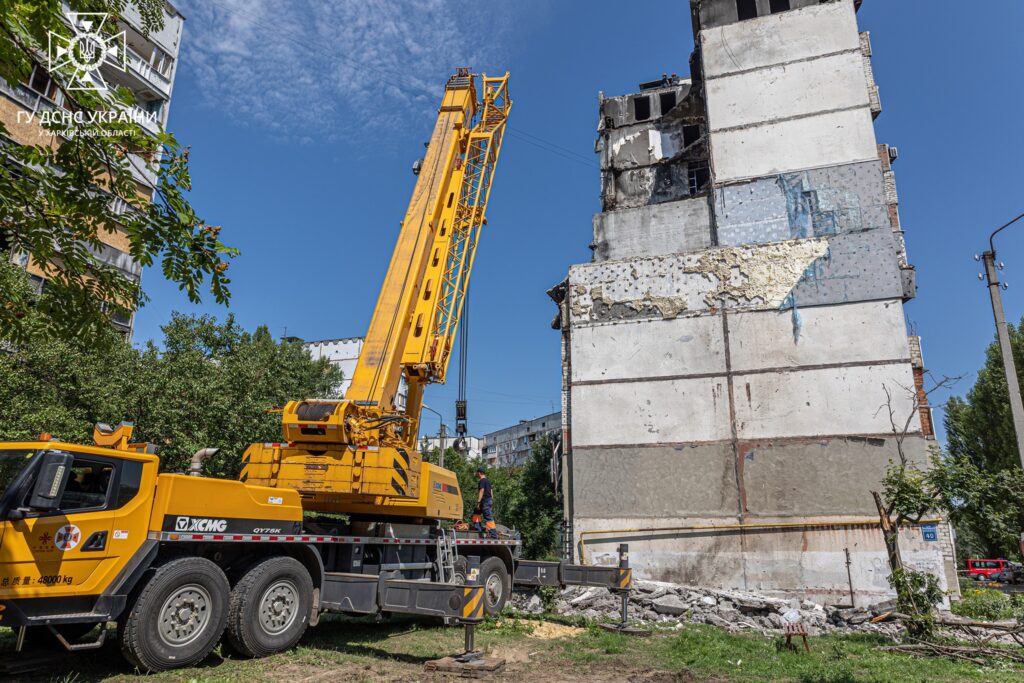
[
  {"x": 642, "y": 108},
  {"x": 691, "y": 134},
  {"x": 667, "y": 100},
  {"x": 746, "y": 9},
  {"x": 698, "y": 176}
]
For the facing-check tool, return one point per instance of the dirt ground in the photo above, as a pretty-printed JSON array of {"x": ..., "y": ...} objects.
[{"x": 534, "y": 652}]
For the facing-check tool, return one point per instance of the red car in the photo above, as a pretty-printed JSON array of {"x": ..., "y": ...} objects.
[{"x": 983, "y": 570}]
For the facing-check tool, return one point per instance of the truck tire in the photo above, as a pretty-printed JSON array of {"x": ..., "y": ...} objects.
[
  {"x": 494, "y": 579},
  {"x": 269, "y": 608},
  {"x": 177, "y": 617}
]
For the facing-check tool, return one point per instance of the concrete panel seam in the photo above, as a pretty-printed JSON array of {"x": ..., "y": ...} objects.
[
  {"x": 766, "y": 67},
  {"x": 784, "y": 119},
  {"x": 772, "y": 440},
  {"x": 740, "y": 373}
]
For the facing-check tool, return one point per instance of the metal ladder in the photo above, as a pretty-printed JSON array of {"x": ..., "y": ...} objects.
[{"x": 446, "y": 555}]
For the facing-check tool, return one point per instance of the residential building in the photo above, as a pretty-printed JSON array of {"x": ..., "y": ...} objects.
[
  {"x": 749, "y": 255},
  {"x": 151, "y": 65},
  {"x": 344, "y": 355},
  {"x": 474, "y": 443},
  {"x": 511, "y": 446}
]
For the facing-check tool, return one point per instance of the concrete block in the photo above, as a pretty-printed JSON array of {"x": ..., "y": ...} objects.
[
  {"x": 673, "y": 227},
  {"x": 843, "y": 400},
  {"x": 860, "y": 266},
  {"x": 820, "y": 476},
  {"x": 675, "y": 556},
  {"x": 816, "y": 202},
  {"x": 820, "y": 140},
  {"x": 778, "y": 92},
  {"x": 646, "y": 412},
  {"x": 648, "y": 348},
  {"x": 650, "y": 483},
  {"x": 780, "y": 38},
  {"x": 850, "y": 333}
]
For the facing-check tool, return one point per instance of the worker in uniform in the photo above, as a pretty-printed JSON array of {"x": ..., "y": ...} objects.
[{"x": 484, "y": 505}]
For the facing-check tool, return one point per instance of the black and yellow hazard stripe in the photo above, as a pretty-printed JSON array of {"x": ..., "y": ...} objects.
[
  {"x": 625, "y": 579},
  {"x": 472, "y": 603}
]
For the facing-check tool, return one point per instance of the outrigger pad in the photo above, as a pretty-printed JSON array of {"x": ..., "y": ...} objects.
[
  {"x": 626, "y": 630},
  {"x": 468, "y": 665}
]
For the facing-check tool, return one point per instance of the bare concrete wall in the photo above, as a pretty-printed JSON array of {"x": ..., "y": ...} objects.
[
  {"x": 769, "y": 560},
  {"x": 672, "y": 227}
]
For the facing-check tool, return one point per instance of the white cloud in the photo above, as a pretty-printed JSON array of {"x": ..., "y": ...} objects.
[{"x": 330, "y": 69}]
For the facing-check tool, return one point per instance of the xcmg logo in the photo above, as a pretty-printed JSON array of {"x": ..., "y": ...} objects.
[{"x": 200, "y": 524}]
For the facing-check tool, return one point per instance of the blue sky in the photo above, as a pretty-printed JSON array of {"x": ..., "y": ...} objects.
[{"x": 305, "y": 117}]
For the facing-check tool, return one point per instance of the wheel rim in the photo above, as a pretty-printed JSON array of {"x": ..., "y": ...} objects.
[
  {"x": 493, "y": 589},
  {"x": 184, "y": 615},
  {"x": 279, "y": 607}
]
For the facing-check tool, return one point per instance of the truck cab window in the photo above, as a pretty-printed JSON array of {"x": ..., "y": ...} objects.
[{"x": 88, "y": 486}]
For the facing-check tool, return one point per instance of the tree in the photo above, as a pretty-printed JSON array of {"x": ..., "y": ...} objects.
[
  {"x": 531, "y": 503},
  {"x": 56, "y": 193},
  {"x": 211, "y": 384},
  {"x": 980, "y": 428},
  {"x": 524, "y": 497},
  {"x": 984, "y": 477}
]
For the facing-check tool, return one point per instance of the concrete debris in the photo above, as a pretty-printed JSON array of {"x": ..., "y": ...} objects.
[{"x": 670, "y": 606}]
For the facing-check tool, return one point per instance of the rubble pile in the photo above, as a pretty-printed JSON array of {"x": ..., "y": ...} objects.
[{"x": 671, "y": 605}]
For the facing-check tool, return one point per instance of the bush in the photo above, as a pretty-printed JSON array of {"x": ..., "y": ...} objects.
[{"x": 986, "y": 604}]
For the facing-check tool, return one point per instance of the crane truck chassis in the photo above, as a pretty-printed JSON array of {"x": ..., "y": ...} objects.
[
  {"x": 95, "y": 534},
  {"x": 343, "y": 515}
]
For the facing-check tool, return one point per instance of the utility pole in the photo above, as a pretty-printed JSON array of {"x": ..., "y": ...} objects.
[
  {"x": 441, "y": 434},
  {"x": 992, "y": 277}
]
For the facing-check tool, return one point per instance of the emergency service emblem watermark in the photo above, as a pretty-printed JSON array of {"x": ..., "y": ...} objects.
[
  {"x": 81, "y": 55},
  {"x": 67, "y": 537}
]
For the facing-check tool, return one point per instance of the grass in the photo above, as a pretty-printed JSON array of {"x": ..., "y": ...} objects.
[
  {"x": 361, "y": 650},
  {"x": 989, "y": 604}
]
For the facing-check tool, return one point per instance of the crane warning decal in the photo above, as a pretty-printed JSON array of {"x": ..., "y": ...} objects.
[{"x": 67, "y": 537}]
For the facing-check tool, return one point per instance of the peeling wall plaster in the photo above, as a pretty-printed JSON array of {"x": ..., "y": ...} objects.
[{"x": 759, "y": 276}]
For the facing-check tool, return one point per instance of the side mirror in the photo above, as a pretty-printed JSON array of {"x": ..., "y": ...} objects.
[{"x": 51, "y": 482}]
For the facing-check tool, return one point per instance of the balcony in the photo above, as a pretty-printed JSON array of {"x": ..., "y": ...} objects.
[{"x": 144, "y": 71}]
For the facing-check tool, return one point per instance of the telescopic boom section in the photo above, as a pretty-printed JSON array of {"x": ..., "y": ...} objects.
[{"x": 350, "y": 451}]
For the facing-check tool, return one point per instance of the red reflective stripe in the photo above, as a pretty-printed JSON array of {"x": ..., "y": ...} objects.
[
  {"x": 197, "y": 537},
  {"x": 237, "y": 538}
]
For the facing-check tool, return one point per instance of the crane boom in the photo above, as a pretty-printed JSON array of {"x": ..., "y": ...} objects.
[{"x": 358, "y": 454}]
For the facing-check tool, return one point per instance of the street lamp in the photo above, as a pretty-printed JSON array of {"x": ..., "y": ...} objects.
[
  {"x": 440, "y": 433},
  {"x": 1016, "y": 408}
]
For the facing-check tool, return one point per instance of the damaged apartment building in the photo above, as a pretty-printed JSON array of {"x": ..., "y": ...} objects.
[{"x": 732, "y": 352}]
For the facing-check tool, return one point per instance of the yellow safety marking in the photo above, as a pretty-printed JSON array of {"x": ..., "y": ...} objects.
[
  {"x": 472, "y": 599},
  {"x": 625, "y": 578}
]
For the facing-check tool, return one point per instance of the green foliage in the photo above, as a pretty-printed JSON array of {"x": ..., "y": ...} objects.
[
  {"x": 989, "y": 604},
  {"x": 917, "y": 594},
  {"x": 908, "y": 492},
  {"x": 524, "y": 498},
  {"x": 56, "y": 192},
  {"x": 210, "y": 384},
  {"x": 532, "y": 504},
  {"x": 985, "y": 477}
]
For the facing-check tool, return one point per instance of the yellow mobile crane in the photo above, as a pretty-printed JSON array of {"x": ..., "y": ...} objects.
[
  {"x": 94, "y": 533},
  {"x": 358, "y": 455}
]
